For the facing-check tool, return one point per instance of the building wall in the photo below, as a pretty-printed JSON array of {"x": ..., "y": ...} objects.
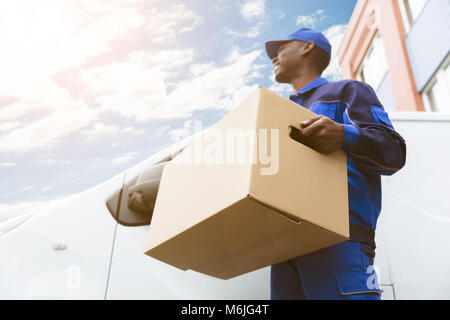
[
  {"x": 385, "y": 94},
  {"x": 384, "y": 17},
  {"x": 428, "y": 41}
]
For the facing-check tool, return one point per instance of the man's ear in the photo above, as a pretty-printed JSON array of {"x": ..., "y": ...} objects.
[{"x": 307, "y": 48}]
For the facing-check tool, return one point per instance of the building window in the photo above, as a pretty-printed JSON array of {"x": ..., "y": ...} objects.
[
  {"x": 374, "y": 66},
  {"x": 437, "y": 94},
  {"x": 411, "y": 10}
]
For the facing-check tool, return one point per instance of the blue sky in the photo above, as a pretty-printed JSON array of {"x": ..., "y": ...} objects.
[{"x": 90, "y": 88}]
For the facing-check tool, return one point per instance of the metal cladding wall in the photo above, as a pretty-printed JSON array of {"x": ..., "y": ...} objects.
[
  {"x": 428, "y": 41},
  {"x": 415, "y": 216}
]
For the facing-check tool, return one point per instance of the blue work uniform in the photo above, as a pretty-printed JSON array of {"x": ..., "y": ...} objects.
[{"x": 345, "y": 270}]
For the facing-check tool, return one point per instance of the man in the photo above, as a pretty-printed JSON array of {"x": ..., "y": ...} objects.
[{"x": 351, "y": 118}]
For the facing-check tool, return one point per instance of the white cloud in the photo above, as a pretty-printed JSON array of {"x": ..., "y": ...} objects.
[
  {"x": 168, "y": 24},
  {"x": 60, "y": 34},
  {"x": 184, "y": 132},
  {"x": 42, "y": 39},
  {"x": 253, "y": 9},
  {"x": 50, "y": 159},
  {"x": 201, "y": 68},
  {"x": 27, "y": 188},
  {"x": 320, "y": 12},
  {"x": 125, "y": 158},
  {"x": 282, "y": 88},
  {"x": 253, "y": 32},
  {"x": 99, "y": 130},
  {"x": 46, "y": 131},
  {"x": 306, "y": 21},
  {"x": 221, "y": 7},
  {"x": 162, "y": 131},
  {"x": 6, "y": 126},
  {"x": 167, "y": 59},
  {"x": 311, "y": 20},
  {"x": 335, "y": 34},
  {"x": 7, "y": 164},
  {"x": 67, "y": 62},
  {"x": 138, "y": 89},
  {"x": 280, "y": 14},
  {"x": 36, "y": 91}
]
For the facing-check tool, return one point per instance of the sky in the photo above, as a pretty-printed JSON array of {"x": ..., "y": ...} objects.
[{"x": 90, "y": 88}]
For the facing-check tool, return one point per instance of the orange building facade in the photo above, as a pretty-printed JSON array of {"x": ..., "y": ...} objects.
[{"x": 384, "y": 46}]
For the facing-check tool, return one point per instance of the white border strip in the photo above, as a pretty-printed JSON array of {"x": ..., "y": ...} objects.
[{"x": 420, "y": 116}]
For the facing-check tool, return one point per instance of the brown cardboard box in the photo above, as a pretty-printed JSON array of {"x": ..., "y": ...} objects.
[{"x": 225, "y": 215}]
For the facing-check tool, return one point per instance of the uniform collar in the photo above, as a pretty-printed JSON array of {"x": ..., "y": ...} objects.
[{"x": 313, "y": 84}]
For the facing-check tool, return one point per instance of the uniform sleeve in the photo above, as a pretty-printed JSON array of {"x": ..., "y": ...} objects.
[{"x": 370, "y": 138}]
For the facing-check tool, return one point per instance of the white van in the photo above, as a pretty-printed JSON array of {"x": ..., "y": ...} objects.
[{"x": 75, "y": 248}]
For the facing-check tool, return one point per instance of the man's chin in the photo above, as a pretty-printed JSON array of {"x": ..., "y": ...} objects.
[{"x": 281, "y": 78}]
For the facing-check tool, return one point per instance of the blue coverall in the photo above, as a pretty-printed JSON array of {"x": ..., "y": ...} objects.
[{"x": 345, "y": 271}]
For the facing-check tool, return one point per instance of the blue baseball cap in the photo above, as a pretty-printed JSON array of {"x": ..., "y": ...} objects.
[{"x": 303, "y": 34}]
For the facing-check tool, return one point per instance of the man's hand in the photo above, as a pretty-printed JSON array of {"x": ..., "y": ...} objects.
[{"x": 322, "y": 134}]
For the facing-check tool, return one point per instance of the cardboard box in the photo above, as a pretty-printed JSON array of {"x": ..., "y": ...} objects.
[{"x": 225, "y": 213}]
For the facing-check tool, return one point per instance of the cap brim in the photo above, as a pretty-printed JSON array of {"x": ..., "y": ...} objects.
[{"x": 272, "y": 47}]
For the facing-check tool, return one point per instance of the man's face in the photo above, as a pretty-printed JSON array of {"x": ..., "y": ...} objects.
[{"x": 287, "y": 61}]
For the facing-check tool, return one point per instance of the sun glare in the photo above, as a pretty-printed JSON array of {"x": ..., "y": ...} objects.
[
  {"x": 28, "y": 24},
  {"x": 33, "y": 32}
]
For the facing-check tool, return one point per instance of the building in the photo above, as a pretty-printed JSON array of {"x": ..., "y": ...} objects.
[{"x": 401, "y": 48}]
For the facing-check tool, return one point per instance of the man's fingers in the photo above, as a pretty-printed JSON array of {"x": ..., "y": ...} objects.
[
  {"x": 311, "y": 130},
  {"x": 309, "y": 122},
  {"x": 322, "y": 134}
]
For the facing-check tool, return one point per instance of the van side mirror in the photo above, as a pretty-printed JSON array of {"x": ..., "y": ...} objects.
[{"x": 133, "y": 204}]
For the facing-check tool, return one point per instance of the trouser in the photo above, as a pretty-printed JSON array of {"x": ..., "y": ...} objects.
[{"x": 340, "y": 272}]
